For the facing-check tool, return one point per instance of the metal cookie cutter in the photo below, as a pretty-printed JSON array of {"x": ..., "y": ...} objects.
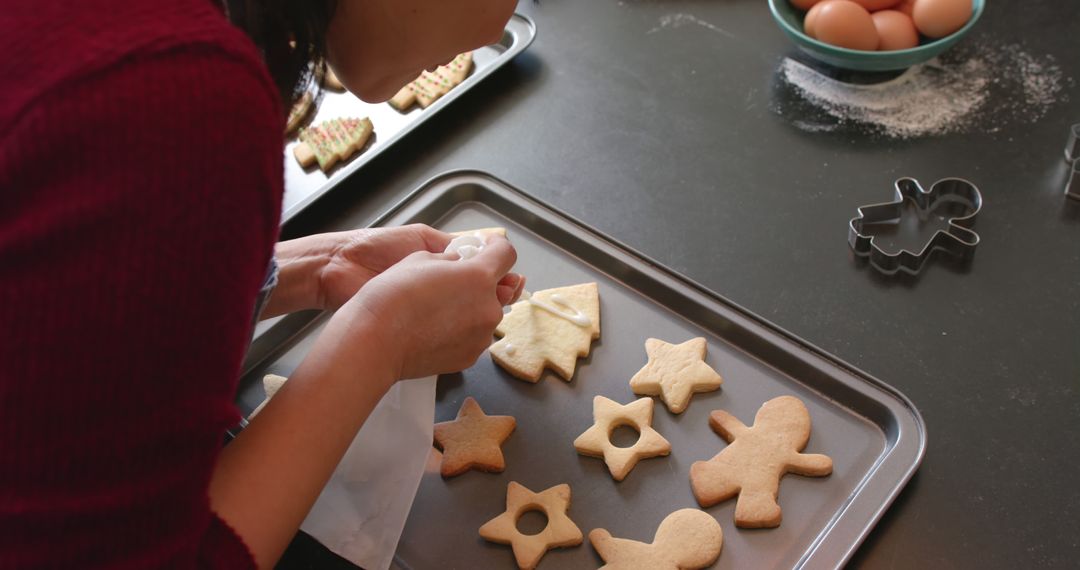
[
  {"x": 1072, "y": 156},
  {"x": 961, "y": 201}
]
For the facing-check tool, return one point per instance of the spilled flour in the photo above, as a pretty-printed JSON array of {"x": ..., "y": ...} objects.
[
  {"x": 982, "y": 88},
  {"x": 672, "y": 21}
]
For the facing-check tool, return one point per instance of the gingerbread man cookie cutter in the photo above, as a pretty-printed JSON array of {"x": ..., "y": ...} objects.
[
  {"x": 529, "y": 549},
  {"x": 1072, "y": 157},
  {"x": 962, "y": 201},
  {"x": 687, "y": 539},
  {"x": 608, "y": 415}
]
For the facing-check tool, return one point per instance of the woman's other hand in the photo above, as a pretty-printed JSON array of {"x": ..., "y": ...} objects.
[
  {"x": 324, "y": 271},
  {"x": 434, "y": 313}
]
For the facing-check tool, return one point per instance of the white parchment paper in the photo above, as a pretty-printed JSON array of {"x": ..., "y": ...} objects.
[{"x": 362, "y": 510}]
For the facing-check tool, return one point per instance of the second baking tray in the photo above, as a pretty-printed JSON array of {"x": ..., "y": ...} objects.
[
  {"x": 873, "y": 433},
  {"x": 304, "y": 186}
]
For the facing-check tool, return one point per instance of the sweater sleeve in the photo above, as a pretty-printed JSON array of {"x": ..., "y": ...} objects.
[{"x": 140, "y": 210}]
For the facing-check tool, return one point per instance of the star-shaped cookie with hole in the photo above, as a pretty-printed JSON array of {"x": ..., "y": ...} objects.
[
  {"x": 608, "y": 415},
  {"x": 529, "y": 549},
  {"x": 473, "y": 440},
  {"x": 675, "y": 372}
]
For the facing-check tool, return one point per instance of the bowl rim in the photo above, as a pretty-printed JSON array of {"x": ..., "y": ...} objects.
[{"x": 977, "y": 9}]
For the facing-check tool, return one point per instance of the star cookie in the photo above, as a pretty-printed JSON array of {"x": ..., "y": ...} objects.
[
  {"x": 608, "y": 415},
  {"x": 473, "y": 440},
  {"x": 550, "y": 329},
  {"x": 756, "y": 459},
  {"x": 688, "y": 539},
  {"x": 674, "y": 372},
  {"x": 529, "y": 549}
]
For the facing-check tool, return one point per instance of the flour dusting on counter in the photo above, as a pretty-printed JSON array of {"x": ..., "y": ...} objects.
[{"x": 982, "y": 88}]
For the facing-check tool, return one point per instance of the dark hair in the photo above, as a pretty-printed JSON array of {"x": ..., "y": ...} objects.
[{"x": 291, "y": 35}]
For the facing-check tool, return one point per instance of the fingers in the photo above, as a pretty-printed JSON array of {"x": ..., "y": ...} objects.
[
  {"x": 432, "y": 239},
  {"x": 509, "y": 288},
  {"x": 497, "y": 255}
]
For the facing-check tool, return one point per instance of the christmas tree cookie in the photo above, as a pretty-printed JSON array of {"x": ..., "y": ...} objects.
[
  {"x": 332, "y": 141},
  {"x": 548, "y": 329},
  {"x": 431, "y": 85}
]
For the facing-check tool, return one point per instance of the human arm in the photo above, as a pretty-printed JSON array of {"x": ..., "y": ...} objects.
[{"x": 427, "y": 314}]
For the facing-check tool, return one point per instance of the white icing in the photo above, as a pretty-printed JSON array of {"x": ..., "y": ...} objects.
[
  {"x": 571, "y": 314},
  {"x": 510, "y": 349},
  {"x": 466, "y": 246}
]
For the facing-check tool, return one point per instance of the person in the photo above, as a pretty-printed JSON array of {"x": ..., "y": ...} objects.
[{"x": 141, "y": 168}]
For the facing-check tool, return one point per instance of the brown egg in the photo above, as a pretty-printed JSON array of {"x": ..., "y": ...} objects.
[
  {"x": 875, "y": 5},
  {"x": 895, "y": 29},
  {"x": 811, "y": 19},
  {"x": 845, "y": 24},
  {"x": 939, "y": 18},
  {"x": 905, "y": 6},
  {"x": 804, "y": 4}
]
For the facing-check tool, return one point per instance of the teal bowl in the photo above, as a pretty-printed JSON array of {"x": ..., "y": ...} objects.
[{"x": 790, "y": 21}]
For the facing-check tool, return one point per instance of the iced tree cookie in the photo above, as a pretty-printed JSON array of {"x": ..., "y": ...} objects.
[
  {"x": 608, "y": 415},
  {"x": 687, "y": 539},
  {"x": 473, "y": 440},
  {"x": 675, "y": 372},
  {"x": 529, "y": 549},
  {"x": 431, "y": 85},
  {"x": 332, "y": 141},
  {"x": 549, "y": 329},
  {"x": 756, "y": 459},
  {"x": 300, "y": 112}
]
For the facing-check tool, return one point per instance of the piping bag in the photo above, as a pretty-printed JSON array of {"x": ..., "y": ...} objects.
[{"x": 362, "y": 510}]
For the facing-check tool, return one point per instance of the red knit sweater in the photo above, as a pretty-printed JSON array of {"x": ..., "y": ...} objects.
[{"x": 140, "y": 191}]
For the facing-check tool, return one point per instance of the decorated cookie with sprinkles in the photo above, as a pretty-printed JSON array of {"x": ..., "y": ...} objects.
[
  {"x": 431, "y": 85},
  {"x": 332, "y": 141}
]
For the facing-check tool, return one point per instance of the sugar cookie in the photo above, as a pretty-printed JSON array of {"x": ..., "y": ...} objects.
[
  {"x": 756, "y": 459},
  {"x": 529, "y": 549},
  {"x": 300, "y": 112},
  {"x": 431, "y": 85},
  {"x": 473, "y": 440},
  {"x": 675, "y": 372},
  {"x": 551, "y": 329},
  {"x": 687, "y": 539},
  {"x": 608, "y": 415},
  {"x": 330, "y": 80},
  {"x": 332, "y": 141},
  {"x": 271, "y": 384}
]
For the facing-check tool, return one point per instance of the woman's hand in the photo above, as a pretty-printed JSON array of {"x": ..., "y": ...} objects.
[
  {"x": 360, "y": 255},
  {"x": 324, "y": 271},
  {"x": 435, "y": 313}
]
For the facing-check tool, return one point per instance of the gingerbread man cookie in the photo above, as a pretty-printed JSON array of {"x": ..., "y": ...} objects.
[
  {"x": 529, "y": 549},
  {"x": 756, "y": 459},
  {"x": 473, "y": 440},
  {"x": 674, "y": 372},
  {"x": 608, "y": 415},
  {"x": 687, "y": 539},
  {"x": 549, "y": 329}
]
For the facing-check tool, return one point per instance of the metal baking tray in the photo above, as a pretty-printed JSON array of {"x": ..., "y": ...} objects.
[
  {"x": 874, "y": 434},
  {"x": 303, "y": 187}
]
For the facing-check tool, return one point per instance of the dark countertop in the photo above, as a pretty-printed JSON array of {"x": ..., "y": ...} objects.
[{"x": 680, "y": 144}]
